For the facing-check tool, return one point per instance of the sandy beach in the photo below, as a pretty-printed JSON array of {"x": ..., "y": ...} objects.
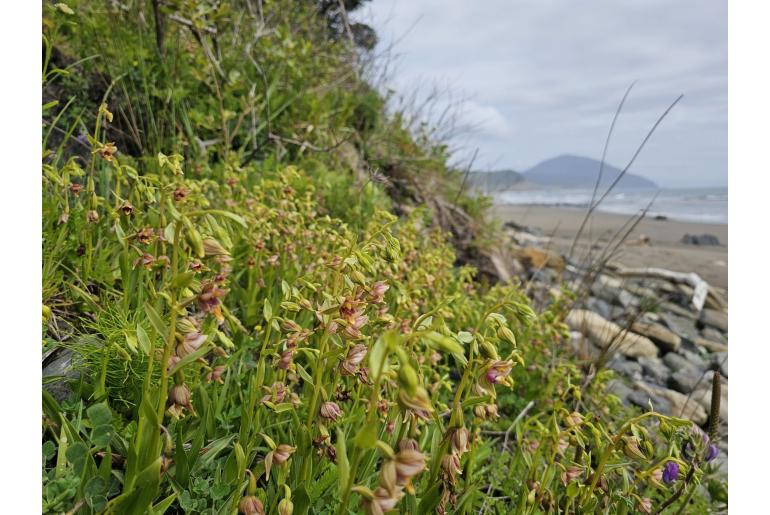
[{"x": 665, "y": 249}]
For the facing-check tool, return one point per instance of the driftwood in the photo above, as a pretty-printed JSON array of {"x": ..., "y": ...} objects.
[{"x": 700, "y": 287}]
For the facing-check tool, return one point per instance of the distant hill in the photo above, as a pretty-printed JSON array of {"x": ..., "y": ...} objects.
[
  {"x": 495, "y": 181},
  {"x": 569, "y": 171}
]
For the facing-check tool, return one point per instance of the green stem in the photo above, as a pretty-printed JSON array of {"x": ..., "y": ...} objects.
[{"x": 171, "y": 337}]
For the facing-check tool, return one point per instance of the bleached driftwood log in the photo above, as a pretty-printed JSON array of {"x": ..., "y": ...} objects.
[{"x": 700, "y": 286}]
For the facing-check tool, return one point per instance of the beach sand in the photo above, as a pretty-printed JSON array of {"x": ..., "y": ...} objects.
[{"x": 665, "y": 250}]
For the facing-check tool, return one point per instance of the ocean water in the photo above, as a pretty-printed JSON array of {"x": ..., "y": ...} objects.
[{"x": 707, "y": 205}]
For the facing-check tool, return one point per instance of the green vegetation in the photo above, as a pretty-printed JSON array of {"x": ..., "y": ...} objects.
[{"x": 250, "y": 325}]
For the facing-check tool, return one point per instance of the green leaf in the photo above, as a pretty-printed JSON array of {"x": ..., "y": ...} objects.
[
  {"x": 267, "y": 310},
  {"x": 444, "y": 343},
  {"x": 343, "y": 466},
  {"x": 99, "y": 414},
  {"x": 304, "y": 375},
  {"x": 161, "y": 507},
  {"x": 155, "y": 319},
  {"x": 131, "y": 341},
  {"x": 183, "y": 280},
  {"x": 102, "y": 435},
  {"x": 189, "y": 358},
  {"x": 378, "y": 357},
  {"x": 366, "y": 437},
  {"x": 144, "y": 340}
]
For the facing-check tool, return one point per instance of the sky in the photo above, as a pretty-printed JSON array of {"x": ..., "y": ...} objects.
[{"x": 541, "y": 78}]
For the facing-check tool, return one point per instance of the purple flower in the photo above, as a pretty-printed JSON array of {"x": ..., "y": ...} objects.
[
  {"x": 712, "y": 452},
  {"x": 670, "y": 472}
]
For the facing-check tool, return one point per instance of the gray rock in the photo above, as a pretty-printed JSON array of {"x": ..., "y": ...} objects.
[
  {"x": 712, "y": 334},
  {"x": 664, "y": 338},
  {"x": 655, "y": 370},
  {"x": 619, "y": 389},
  {"x": 713, "y": 318},
  {"x": 644, "y": 399},
  {"x": 700, "y": 239},
  {"x": 687, "y": 380},
  {"x": 682, "y": 326},
  {"x": 627, "y": 368},
  {"x": 677, "y": 362},
  {"x": 695, "y": 359},
  {"x": 627, "y": 300},
  {"x": 679, "y": 405},
  {"x": 599, "y": 306},
  {"x": 709, "y": 345},
  {"x": 719, "y": 362},
  {"x": 58, "y": 364}
]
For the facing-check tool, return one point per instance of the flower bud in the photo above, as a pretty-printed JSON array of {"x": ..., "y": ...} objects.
[
  {"x": 388, "y": 476},
  {"x": 179, "y": 395},
  {"x": 285, "y": 507},
  {"x": 330, "y": 411},
  {"x": 570, "y": 474},
  {"x": 190, "y": 343},
  {"x": 631, "y": 448},
  {"x": 573, "y": 419},
  {"x": 92, "y": 216},
  {"x": 282, "y": 453},
  {"x": 451, "y": 468},
  {"x": 409, "y": 463},
  {"x": 419, "y": 403},
  {"x": 287, "y": 357},
  {"x": 459, "y": 440},
  {"x": 250, "y": 505},
  {"x": 506, "y": 334},
  {"x": 670, "y": 472},
  {"x": 711, "y": 452},
  {"x": 358, "y": 277},
  {"x": 212, "y": 247},
  {"x": 644, "y": 505},
  {"x": 488, "y": 350}
]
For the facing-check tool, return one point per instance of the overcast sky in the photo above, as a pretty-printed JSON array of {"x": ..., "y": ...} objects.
[{"x": 543, "y": 77}]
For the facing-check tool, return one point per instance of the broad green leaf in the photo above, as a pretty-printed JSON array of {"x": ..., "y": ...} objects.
[{"x": 99, "y": 414}]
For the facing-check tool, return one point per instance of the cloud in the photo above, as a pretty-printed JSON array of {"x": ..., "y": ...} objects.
[{"x": 545, "y": 76}]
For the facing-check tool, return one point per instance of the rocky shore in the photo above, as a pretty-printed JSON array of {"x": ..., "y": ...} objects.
[{"x": 663, "y": 332}]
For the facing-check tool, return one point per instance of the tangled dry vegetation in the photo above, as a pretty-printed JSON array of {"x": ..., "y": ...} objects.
[{"x": 233, "y": 320}]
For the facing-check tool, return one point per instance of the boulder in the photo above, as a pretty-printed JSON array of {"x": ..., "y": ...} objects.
[
  {"x": 682, "y": 326},
  {"x": 619, "y": 389},
  {"x": 713, "y": 318},
  {"x": 604, "y": 333},
  {"x": 678, "y": 402},
  {"x": 700, "y": 239},
  {"x": 667, "y": 340},
  {"x": 57, "y": 367},
  {"x": 599, "y": 306},
  {"x": 625, "y": 367},
  {"x": 687, "y": 380},
  {"x": 655, "y": 370},
  {"x": 677, "y": 362},
  {"x": 709, "y": 345},
  {"x": 712, "y": 334}
]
